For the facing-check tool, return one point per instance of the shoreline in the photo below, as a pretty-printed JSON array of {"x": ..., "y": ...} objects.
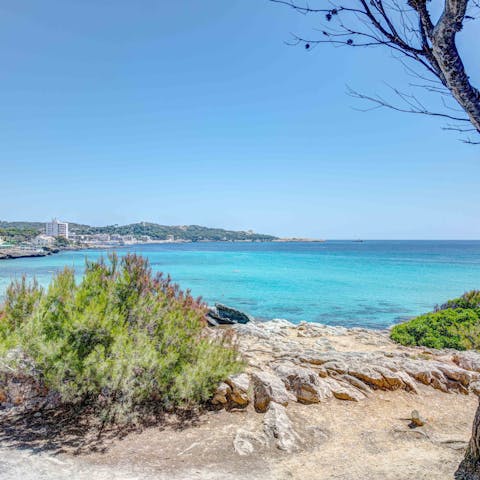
[
  {"x": 14, "y": 253},
  {"x": 308, "y": 394}
]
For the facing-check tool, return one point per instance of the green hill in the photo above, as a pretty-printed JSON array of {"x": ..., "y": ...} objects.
[{"x": 20, "y": 231}]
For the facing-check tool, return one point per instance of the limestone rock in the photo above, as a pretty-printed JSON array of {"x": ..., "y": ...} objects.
[
  {"x": 268, "y": 388},
  {"x": 246, "y": 442},
  {"x": 220, "y": 397},
  {"x": 337, "y": 366},
  {"x": 309, "y": 330},
  {"x": 239, "y": 385},
  {"x": 458, "y": 374},
  {"x": 278, "y": 427},
  {"x": 368, "y": 375},
  {"x": 475, "y": 388},
  {"x": 468, "y": 360},
  {"x": 344, "y": 391},
  {"x": 304, "y": 383},
  {"x": 357, "y": 383}
]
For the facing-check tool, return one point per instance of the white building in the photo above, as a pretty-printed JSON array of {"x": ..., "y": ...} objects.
[
  {"x": 56, "y": 229},
  {"x": 43, "y": 241},
  {"x": 102, "y": 237},
  {"x": 129, "y": 239}
]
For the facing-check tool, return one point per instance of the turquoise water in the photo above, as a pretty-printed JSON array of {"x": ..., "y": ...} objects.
[{"x": 375, "y": 283}]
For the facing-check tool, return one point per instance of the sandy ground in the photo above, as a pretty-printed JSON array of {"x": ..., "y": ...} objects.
[{"x": 365, "y": 440}]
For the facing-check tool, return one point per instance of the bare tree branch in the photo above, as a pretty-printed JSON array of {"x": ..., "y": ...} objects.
[
  {"x": 412, "y": 105},
  {"x": 407, "y": 28}
]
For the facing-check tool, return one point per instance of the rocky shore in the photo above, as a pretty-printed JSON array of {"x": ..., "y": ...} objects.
[
  {"x": 314, "y": 402},
  {"x": 11, "y": 253}
]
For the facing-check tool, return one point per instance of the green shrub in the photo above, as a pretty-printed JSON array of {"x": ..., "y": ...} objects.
[
  {"x": 467, "y": 300},
  {"x": 449, "y": 328},
  {"x": 21, "y": 299},
  {"x": 120, "y": 337}
]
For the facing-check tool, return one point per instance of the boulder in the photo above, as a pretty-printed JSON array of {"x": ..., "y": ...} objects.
[
  {"x": 239, "y": 385},
  {"x": 233, "y": 392},
  {"x": 278, "y": 427},
  {"x": 469, "y": 360},
  {"x": 304, "y": 383},
  {"x": 220, "y": 397},
  {"x": 221, "y": 314},
  {"x": 268, "y": 388}
]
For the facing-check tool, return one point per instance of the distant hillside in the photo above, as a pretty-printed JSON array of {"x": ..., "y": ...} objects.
[{"x": 194, "y": 233}]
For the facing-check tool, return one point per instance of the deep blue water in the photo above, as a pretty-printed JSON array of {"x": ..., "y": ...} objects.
[{"x": 374, "y": 283}]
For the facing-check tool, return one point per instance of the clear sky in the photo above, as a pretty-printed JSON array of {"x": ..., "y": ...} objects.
[{"x": 196, "y": 112}]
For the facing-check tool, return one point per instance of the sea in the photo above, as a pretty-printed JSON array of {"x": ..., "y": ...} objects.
[{"x": 366, "y": 284}]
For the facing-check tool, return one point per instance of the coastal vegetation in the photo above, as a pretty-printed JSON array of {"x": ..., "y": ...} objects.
[
  {"x": 120, "y": 339},
  {"x": 18, "y": 234},
  {"x": 193, "y": 233},
  {"x": 455, "y": 324}
]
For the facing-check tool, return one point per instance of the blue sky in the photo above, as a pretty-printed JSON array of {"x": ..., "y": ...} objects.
[{"x": 196, "y": 112}]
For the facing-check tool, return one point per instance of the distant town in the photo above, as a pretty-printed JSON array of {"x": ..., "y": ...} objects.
[
  {"x": 56, "y": 229},
  {"x": 31, "y": 239}
]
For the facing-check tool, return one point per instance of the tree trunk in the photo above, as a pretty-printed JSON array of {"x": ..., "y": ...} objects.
[
  {"x": 469, "y": 469},
  {"x": 445, "y": 52}
]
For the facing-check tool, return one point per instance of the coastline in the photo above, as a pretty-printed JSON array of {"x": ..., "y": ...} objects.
[
  {"x": 13, "y": 253},
  {"x": 309, "y": 393}
]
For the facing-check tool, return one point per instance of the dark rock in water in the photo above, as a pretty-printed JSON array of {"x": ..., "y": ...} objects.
[
  {"x": 223, "y": 315},
  {"x": 211, "y": 320},
  {"x": 232, "y": 314}
]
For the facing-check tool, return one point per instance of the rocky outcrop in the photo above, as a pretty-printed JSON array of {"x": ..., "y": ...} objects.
[
  {"x": 279, "y": 429},
  {"x": 268, "y": 388},
  {"x": 304, "y": 383},
  {"x": 11, "y": 253},
  {"x": 311, "y": 363},
  {"x": 233, "y": 393},
  {"x": 469, "y": 360},
  {"x": 278, "y": 433},
  {"x": 223, "y": 315}
]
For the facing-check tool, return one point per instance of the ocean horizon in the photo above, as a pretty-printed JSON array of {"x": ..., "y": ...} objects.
[{"x": 373, "y": 283}]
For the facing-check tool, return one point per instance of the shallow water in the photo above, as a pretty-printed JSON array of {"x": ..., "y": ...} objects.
[{"x": 374, "y": 283}]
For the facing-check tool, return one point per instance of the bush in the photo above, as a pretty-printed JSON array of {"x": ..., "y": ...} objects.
[
  {"x": 467, "y": 300},
  {"x": 457, "y": 328},
  {"x": 20, "y": 301},
  {"x": 121, "y": 337}
]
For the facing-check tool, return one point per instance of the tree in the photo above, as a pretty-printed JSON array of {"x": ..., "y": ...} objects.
[
  {"x": 425, "y": 45},
  {"x": 469, "y": 469}
]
